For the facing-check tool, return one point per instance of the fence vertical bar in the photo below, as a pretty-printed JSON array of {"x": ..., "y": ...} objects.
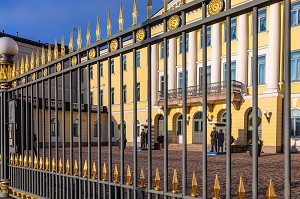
[
  {"x": 109, "y": 128},
  {"x": 89, "y": 102},
  {"x": 43, "y": 133},
  {"x": 63, "y": 130},
  {"x": 79, "y": 101}
]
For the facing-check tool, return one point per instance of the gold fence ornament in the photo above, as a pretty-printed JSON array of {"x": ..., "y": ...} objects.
[
  {"x": 22, "y": 66},
  {"x": 175, "y": 182},
  {"x": 43, "y": 56},
  {"x": 104, "y": 173},
  {"x": 79, "y": 39},
  {"x": 55, "y": 50},
  {"x": 49, "y": 53},
  {"x": 53, "y": 165},
  {"x": 121, "y": 19},
  {"x": 85, "y": 169},
  {"x": 142, "y": 178},
  {"x": 134, "y": 13},
  {"x": 98, "y": 30},
  {"x": 94, "y": 171},
  {"x": 165, "y": 10},
  {"x": 75, "y": 168},
  {"x": 157, "y": 180},
  {"x": 71, "y": 43},
  {"x": 270, "y": 191},
  {"x": 216, "y": 188},
  {"x": 11, "y": 159},
  {"x": 68, "y": 167},
  {"x": 35, "y": 162},
  {"x": 128, "y": 176},
  {"x": 88, "y": 34},
  {"x": 108, "y": 26},
  {"x": 41, "y": 163},
  {"x": 194, "y": 186},
  {"x": 60, "y": 166},
  {"x": 241, "y": 189},
  {"x": 20, "y": 160},
  {"x": 149, "y": 9},
  {"x": 37, "y": 58},
  {"x": 16, "y": 160},
  {"x": 26, "y": 64},
  {"x": 62, "y": 47},
  {"x": 32, "y": 61},
  {"x": 47, "y": 164},
  {"x": 29, "y": 161},
  {"x": 116, "y": 174}
]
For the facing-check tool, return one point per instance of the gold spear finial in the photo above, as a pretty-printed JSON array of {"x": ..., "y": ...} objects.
[
  {"x": 183, "y": 2},
  {"x": 134, "y": 13},
  {"x": 108, "y": 24},
  {"x": 47, "y": 164},
  {"x": 16, "y": 160},
  {"x": 71, "y": 43},
  {"x": 18, "y": 68},
  {"x": 49, "y": 53},
  {"x": 157, "y": 180},
  {"x": 35, "y": 162},
  {"x": 149, "y": 9},
  {"x": 13, "y": 73},
  {"x": 22, "y": 66},
  {"x": 98, "y": 30},
  {"x": 32, "y": 61},
  {"x": 104, "y": 173},
  {"x": 43, "y": 56},
  {"x": 68, "y": 167},
  {"x": 116, "y": 174},
  {"x": 62, "y": 47},
  {"x": 165, "y": 6},
  {"x": 26, "y": 64},
  {"x": 11, "y": 159},
  {"x": 175, "y": 182},
  {"x": 128, "y": 176},
  {"x": 85, "y": 169},
  {"x": 142, "y": 178},
  {"x": 41, "y": 163},
  {"x": 20, "y": 160},
  {"x": 94, "y": 171},
  {"x": 241, "y": 189},
  {"x": 216, "y": 188},
  {"x": 194, "y": 186},
  {"x": 75, "y": 168},
  {"x": 29, "y": 161},
  {"x": 88, "y": 34},
  {"x": 37, "y": 58},
  {"x": 55, "y": 50},
  {"x": 53, "y": 165},
  {"x": 270, "y": 191},
  {"x": 121, "y": 19},
  {"x": 79, "y": 39},
  {"x": 60, "y": 166}
]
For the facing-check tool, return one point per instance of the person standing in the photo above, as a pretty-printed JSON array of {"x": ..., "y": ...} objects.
[
  {"x": 146, "y": 138},
  {"x": 143, "y": 138},
  {"x": 220, "y": 140},
  {"x": 214, "y": 139}
]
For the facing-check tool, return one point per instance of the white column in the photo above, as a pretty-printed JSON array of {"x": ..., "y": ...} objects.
[
  {"x": 172, "y": 64},
  {"x": 272, "y": 71},
  {"x": 216, "y": 53},
  {"x": 242, "y": 61},
  {"x": 192, "y": 58},
  {"x": 154, "y": 71}
]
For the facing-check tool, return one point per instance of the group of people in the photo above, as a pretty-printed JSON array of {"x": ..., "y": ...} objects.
[
  {"x": 217, "y": 140},
  {"x": 144, "y": 138}
]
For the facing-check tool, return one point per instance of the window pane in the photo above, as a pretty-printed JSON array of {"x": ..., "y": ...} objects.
[
  {"x": 294, "y": 18},
  {"x": 262, "y": 24},
  {"x": 196, "y": 126},
  {"x": 297, "y": 126}
]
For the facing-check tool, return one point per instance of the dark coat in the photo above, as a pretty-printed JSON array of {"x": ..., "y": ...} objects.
[
  {"x": 220, "y": 138},
  {"x": 214, "y": 137}
]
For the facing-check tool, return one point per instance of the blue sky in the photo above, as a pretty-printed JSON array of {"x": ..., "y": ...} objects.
[{"x": 46, "y": 20}]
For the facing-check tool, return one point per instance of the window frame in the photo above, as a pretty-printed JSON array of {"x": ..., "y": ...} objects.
[
  {"x": 297, "y": 10},
  {"x": 112, "y": 95},
  {"x": 260, "y": 17},
  {"x": 297, "y": 59}
]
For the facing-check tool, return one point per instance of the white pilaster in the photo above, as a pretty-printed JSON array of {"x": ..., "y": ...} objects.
[
  {"x": 154, "y": 73},
  {"x": 273, "y": 58},
  {"x": 242, "y": 61},
  {"x": 216, "y": 53},
  {"x": 172, "y": 64},
  {"x": 192, "y": 56}
]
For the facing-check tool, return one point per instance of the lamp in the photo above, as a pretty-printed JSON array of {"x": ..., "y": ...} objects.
[{"x": 268, "y": 115}]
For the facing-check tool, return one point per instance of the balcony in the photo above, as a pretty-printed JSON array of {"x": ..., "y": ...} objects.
[{"x": 216, "y": 93}]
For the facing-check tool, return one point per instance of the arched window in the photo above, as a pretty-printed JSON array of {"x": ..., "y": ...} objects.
[
  {"x": 53, "y": 120},
  {"x": 223, "y": 117},
  {"x": 198, "y": 115},
  {"x": 76, "y": 128},
  {"x": 295, "y": 122},
  {"x": 179, "y": 125},
  {"x": 96, "y": 129},
  {"x": 138, "y": 128}
]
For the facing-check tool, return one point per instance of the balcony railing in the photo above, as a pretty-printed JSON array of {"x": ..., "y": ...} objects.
[{"x": 212, "y": 88}]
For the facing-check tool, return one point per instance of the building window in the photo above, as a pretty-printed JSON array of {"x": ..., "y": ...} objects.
[
  {"x": 112, "y": 95},
  {"x": 75, "y": 128},
  {"x": 112, "y": 66},
  {"x": 96, "y": 129},
  {"x": 295, "y": 66},
  {"x": 138, "y": 91},
  {"x": 208, "y": 37},
  {"x": 138, "y": 59},
  {"x": 138, "y": 128},
  {"x": 187, "y": 42},
  {"x": 261, "y": 69},
  {"x": 223, "y": 117},
  {"x": 101, "y": 97},
  {"x": 180, "y": 44},
  {"x": 295, "y": 13},
  {"x": 162, "y": 81},
  {"x": 124, "y": 62},
  {"x": 91, "y": 72},
  {"x": 233, "y": 29},
  {"x": 101, "y": 69},
  {"x": 162, "y": 50},
  {"x": 295, "y": 122},
  {"x": 53, "y": 121},
  {"x": 91, "y": 97},
  {"x": 201, "y": 73},
  {"x": 233, "y": 71},
  {"x": 180, "y": 79},
  {"x": 82, "y": 97},
  {"x": 124, "y": 94},
  {"x": 262, "y": 20}
]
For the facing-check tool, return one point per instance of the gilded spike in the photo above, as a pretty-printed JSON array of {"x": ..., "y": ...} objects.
[
  {"x": 165, "y": 6},
  {"x": 149, "y": 9},
  {"x": 128, "y": 176},
  {"x": 49, "y": 53},
  {"x": 270, "y": 191},
  {"x": 183, "y": 2},
  {"x": 41, "y": 163},
  {"x": 13, "y": 73},
  {"x": 175, "y": 182},
  {"x": 68, "y": 167},
  {"x": 29, "y": 162},
  {"x": 79, "y": 39},
  {"x": 88, "y": 34},
  {"x": 134, "y": 13},
  {"x": 194, "y": 186},
  {"x": 16, "y": 160},
  {"x": 116, "y": 174},
  {"x": 98, "y": 31},
  {"x": 62, "y": 47},
  {"x": 108, "y": 25},
  {"x": 85, "y": 169},
  {"x": 157, "y": 180},
  {"x": 94, "y": 171},
  {"x": 20, "y": 160},
  {"x": 43, "y": 56},
  {"x": 104, "y": 173},
  {"x": 32, "y": 61},
  {"x": 216, "y": 188},
  {"x": 18, "y": 68},
  {"x": 55, "y": 50},
  {"x": 26, "y": 64},
  {"x": 35, "y": 162},
  {"x": 241, "y": 189},
  {"x": 75, "y": 168},
  {"x": 71, "y": 43},
  {"x": 22, "y": 66},
  {"x": 121, "y": 19},
  {"x": 11, "y": 159},
  {"x": 142, "y": 179},
  {"x": 37, "y": 58},
  {"x": 53, "y": 165},
  {"x": 47, "y": 164},
  {"x": 60, "y": 166}
]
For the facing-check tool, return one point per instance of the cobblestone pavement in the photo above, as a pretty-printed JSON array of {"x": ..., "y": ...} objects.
[{"x": 270, "y": 166}]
